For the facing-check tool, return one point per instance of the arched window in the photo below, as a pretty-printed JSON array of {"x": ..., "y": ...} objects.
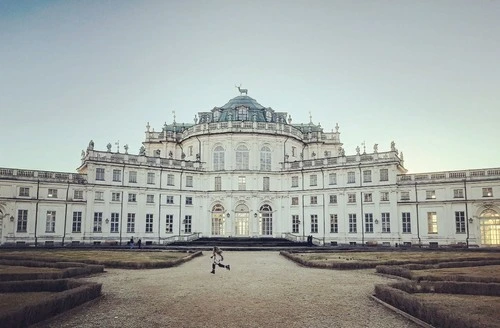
[
  {"x": 242, "y": 158},
  {"x": 265, "y": 159},
  {"x": 266, "y": 220},
  {"x": 218, "y": 220},
  {"x": 490, "y": 228},
  {"x": 218, "y": 158}
]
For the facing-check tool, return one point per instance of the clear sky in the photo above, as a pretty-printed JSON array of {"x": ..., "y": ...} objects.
[{"x": 425, "y": 74}]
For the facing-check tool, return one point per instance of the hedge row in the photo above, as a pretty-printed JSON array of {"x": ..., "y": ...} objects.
[
  {"x": 68, "y": 270},
  {"x": 450, "y": 287},
  {"x": 70, "y": 293}
]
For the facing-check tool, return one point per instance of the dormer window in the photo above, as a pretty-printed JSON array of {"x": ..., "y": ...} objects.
[
  {"x": 269, "y": 116},
  {"x": 242, "y": 113}
]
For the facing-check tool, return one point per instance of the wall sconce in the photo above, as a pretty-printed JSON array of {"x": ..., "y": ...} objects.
[
  {"x": 376, "y": 221},
  {"x": 470, "y": 220},
  {"x": 11, "y": 218},
  {"x": 228, "y": 215},
  {"x": 255, "y": 215},
  {"x": 107, "y": 220}
]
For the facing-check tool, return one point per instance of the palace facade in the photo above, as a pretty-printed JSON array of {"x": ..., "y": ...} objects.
[{"x": 247, "y": 170}]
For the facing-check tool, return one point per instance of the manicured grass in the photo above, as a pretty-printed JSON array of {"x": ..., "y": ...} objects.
[
  {"x": 488, "y": 271},
  {"x": 24, "y": 269}
]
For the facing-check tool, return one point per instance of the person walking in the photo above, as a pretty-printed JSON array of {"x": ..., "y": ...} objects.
[{"x": 217, "y": 259}]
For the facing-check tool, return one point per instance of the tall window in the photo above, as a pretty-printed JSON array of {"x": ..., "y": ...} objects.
[
  {"x": 131, "y": 222},
  {"x": 242, "y": 158},
  {"x": 406, "y": 219},
  {"x": 313, "y": 180},
  {"x": 265, "y": 159},
  {"x": 386, "y": 222},
  {"x": 332, "y": 178},
  {"x": 218, "y": 220},
  {"x": 265, "y": 183},
  {"x": 99, "y": 174},
  {"x": 384, "y": 175},
  {"x": 218, "y": 158},
  {"x": 115, "y": 196},
  {"x": 132, "y": 177},
  {"x": 169, "y": 223},
  {"x": 50, "y": 224},
  {"x": 170, "y": 180},
  {"x": 351, "y": 177},
  {"x": 77, "y": 222},
  {"x": 367, "y": 176},
  {"x": 351, "y": 198},
  {"x": 458, "y": 193},
  {"x": 384, "y": 196},
  {"x": 266, "y": 217},
  {"x": 187, "y": 223},
  {"x": 314, "y": 223},
  {"x": 115, "y": 222},
  {"x": 117, "y": 175},
  {"x": 432, "y": 222},
  {"x": 242, "y": 183},
  {"x": 368, "y": 197},
  {"x": 99, "y": 195},
  {"x": 189, "y": 180},
  {"x": 295, "y": 181},
  {"x": 78, "y": 194},
  {"x": 405, "y": 195},
  {"x": 52, "y": 193},
  {"x": 369, "y": 222},
  {"x": 314, "y": 200},
  {"x": 218, "y": 184},
  {"x": 333, "y": 199},
  {"x": 24, "y": 191},
  {"x": 151, "y": 178},
  {"x": 97, "y": 221},
  {"x": 22, "y": 220},
  {"x": 460, "y": 222},
  {"x": 295, "y": 224},
  {"x": 149, "y": 222},
  {"x": 334, "y": 223},
  {"x": 352, "y": 223},
  {"x": 487, "y": 192}
]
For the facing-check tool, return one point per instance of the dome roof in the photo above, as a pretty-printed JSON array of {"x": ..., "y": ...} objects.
[{"x": 246, "y": 101}]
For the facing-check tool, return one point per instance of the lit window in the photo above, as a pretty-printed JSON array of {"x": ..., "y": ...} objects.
[
  {"x": 487, "y": 192},
  {"x": 50, "y": 224},
  {"x": 242, "y": 183},
  {"x": 430, "y": 194},
  {"x": 432, "y": 223}
]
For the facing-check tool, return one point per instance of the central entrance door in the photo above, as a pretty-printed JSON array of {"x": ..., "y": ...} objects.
[
  {"x": 490, "y": 228},
  {"x": 241, "y": 221}
]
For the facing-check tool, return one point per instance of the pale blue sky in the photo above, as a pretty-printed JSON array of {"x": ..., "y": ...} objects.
[{"x": 425, "y": 74}]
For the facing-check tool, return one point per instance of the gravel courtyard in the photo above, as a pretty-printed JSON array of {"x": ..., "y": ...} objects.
[{"x": 262, "y": 289}]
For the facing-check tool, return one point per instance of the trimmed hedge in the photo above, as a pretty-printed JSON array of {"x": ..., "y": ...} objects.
[{"x": 68, "y": 270}]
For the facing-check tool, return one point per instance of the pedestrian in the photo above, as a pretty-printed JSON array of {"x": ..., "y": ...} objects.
[
  {"x": 217, "y": 259},
  {"x": 131, "y": 242},
  {"x": 139, "y": 243}
]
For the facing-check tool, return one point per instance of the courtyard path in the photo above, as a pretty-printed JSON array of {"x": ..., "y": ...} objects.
[{"x": 263, "y": 289}]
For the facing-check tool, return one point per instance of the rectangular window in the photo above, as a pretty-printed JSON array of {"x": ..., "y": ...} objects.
[
  {"x": 367, "y": 176},
  {"x": 487, "y": 192},
  {"x": 295, "y": 181},
  {"x": 432, "y": 223},
  {"x": 352, "y": 223},
  {"x": 151, "y": 178},
  {"x": 52, "y": 193},
  {"x": 334, "y": 223},
  {"x": 314, "y": 223},
  {"x": 117, "y": 175},
  {"x": 50, "y": 224},
  {"x": 384, "y": 175},
  {"x": 78, "y": 194},
  {"x": 386, "y": 222},
  {"x": 169, "y": 199},
  {"x": 369, "y": 222},
  {"x": 295, "y": 224},
  {"x": 458, "y": 193},
  {"x": 460, "y": 221},
  {"x": 265, "y": 183},
  {"x": 351, "y": 177},
  {"x": 218, "y": 184},
  {"x": 24, "y": 192},
  {"x": 189, "y": 200},
  {"x": 384, "y": 196},
  {"x": 314, "y": 200},
  {"x": 99, "y": 174},
  {"x": 405, "y": 195},
  {"x": 368, "y": 197},
  {"x": 77, "y": 222},
  {"x": 189, "y": 180},
  {"x": 187, "y": 223},
  {"x": 169, "y": 221},
  {"x": 22, "y": 220},
  {"x": 150, "y": 199},
  {"x": 351, "y": 198},
  {"x": 131, "y": 222},
  {"x": 313, "y": 180},
  {"x": 242, "y": 183},
  {"x": 332, "y": 178},
  {"x": 98, "y": 222},
  {"x": 430, "y": 194},
  {"x": 132, "y": 198},
  {"x": 333, "y": 199},
  {"x": 99, "y": 195},
  {"x": 170, "y": 180},
  {"x": 295, "y": 200},
  {"x": 115, "y": 222},
  {"x": 293, "y": 151},
  {"x": 149, "y": 223},
  {"x": 115, "y": 196},
  {"x": 132, "y": 177},
  {"x": 406, "y": 222}
]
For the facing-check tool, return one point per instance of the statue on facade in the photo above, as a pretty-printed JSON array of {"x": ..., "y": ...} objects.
[
  {"x": 341, "y": 151},
  {"x": 375, "y": 148},
  {"x": 313, "y": 154},
  {"x": 336, "y": 127},
  {"x": 170, "y": 154},
  {"x": 393, "y": 146},
  {"x": 83, "y": 154},
  {"x": 142, "y": 151},
  {"x": 197, "y": 157},
  {"x": 126, "y": 149},
  {"x": 183, "y": 156},
  {"x": 108, "y": 146},
  {"x": 91, "y": 145},
  {"x": 242, "y": 91},
  {"x": 401, "y": 156},
  {"x": 157, "y": 153},
  {"x": 357, "y": 150}
]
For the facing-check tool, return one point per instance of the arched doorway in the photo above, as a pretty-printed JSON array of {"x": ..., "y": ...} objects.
[
  {"x": 241, "y": 220},
  {"x": 490, "y": 228},
  {"x": 218, "y": 220},
  {"x": 266, "y": 220}
]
